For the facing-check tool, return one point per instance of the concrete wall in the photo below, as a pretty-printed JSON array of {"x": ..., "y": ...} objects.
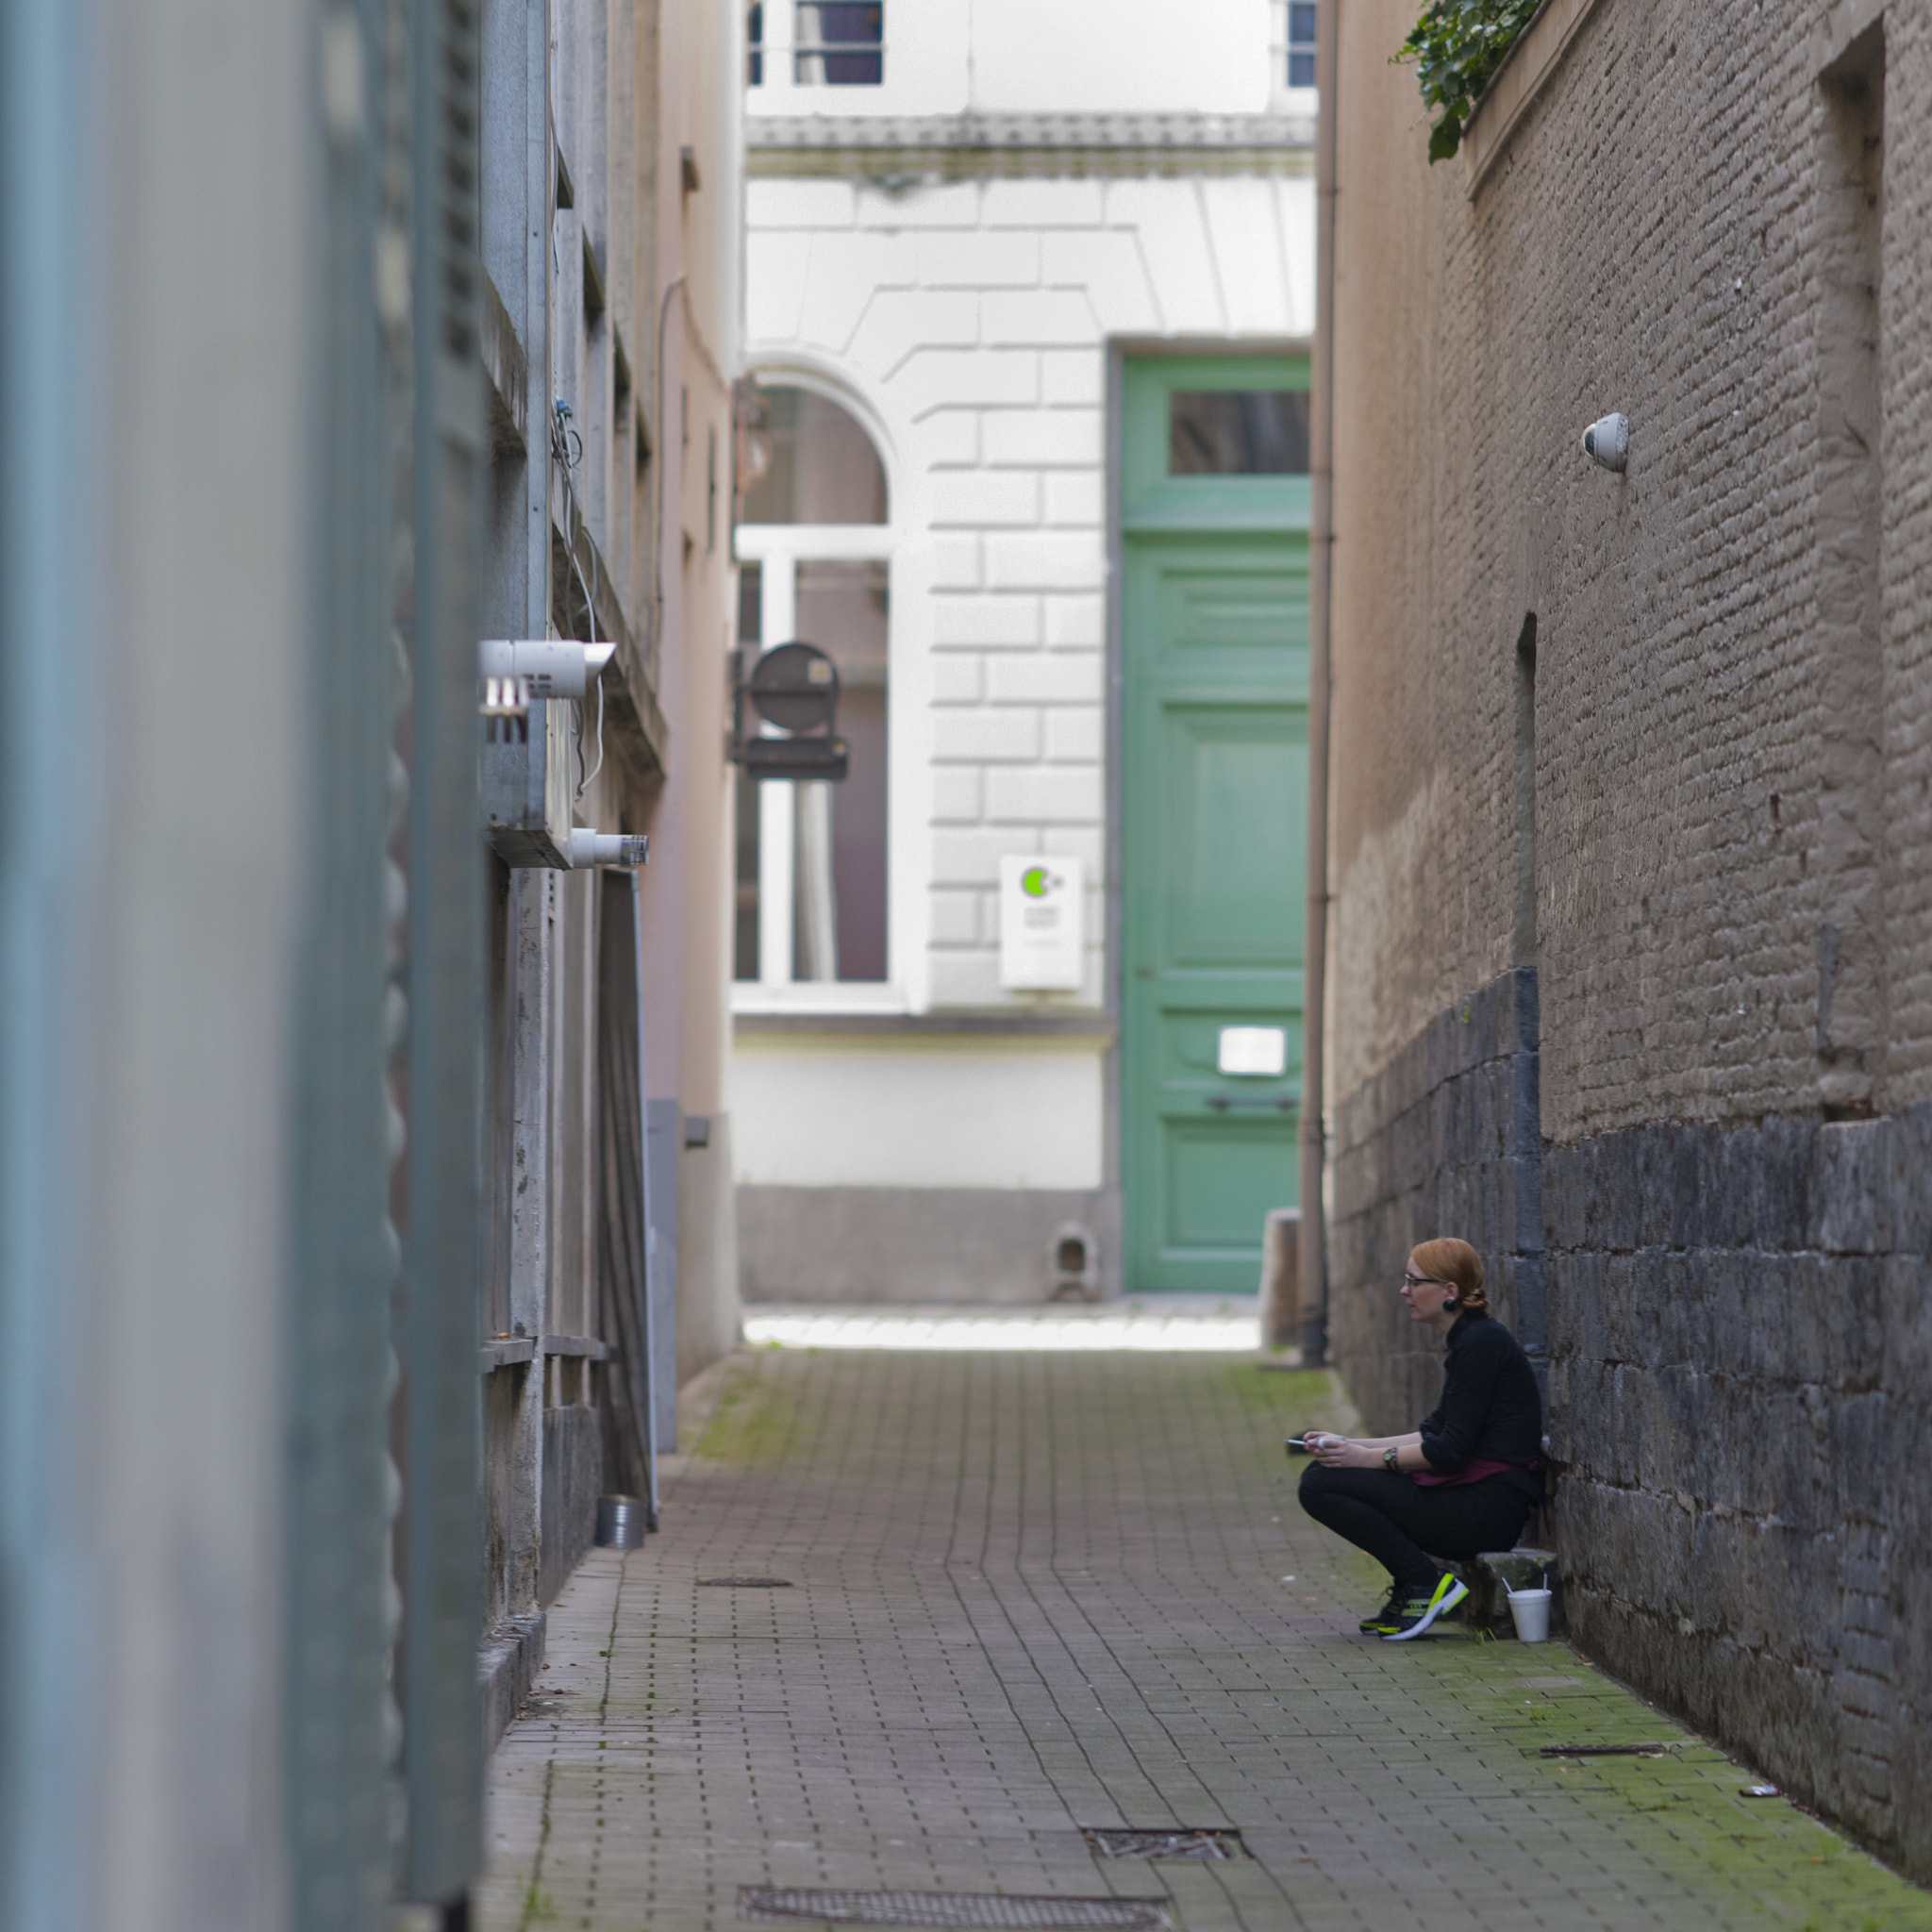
[
  {"x": 830, "y": 1111},
  {"x": 689, "y": 288},
  {"x": 1703, "y": 826},
  {"x": 920, "y": 1165},
  {"x": 919, "y": 1245}
]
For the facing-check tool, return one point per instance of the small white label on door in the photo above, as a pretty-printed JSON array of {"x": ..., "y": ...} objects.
[
  {"x": 1042, "y": 925},
  {"x": 1253, "y": 1050}
]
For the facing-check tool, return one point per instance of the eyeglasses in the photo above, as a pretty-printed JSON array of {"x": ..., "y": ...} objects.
[{"x": 1422, "y": 1281}]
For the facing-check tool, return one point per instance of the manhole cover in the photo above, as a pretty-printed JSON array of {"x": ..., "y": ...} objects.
[
  {"x": 744, "y": 1583},
  {"x": 952, "y": 1908},
  {"x": 1211, "y": 1843}
]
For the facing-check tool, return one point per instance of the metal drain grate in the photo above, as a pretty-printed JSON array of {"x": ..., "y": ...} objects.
[
  {"x": 744, "y": 1583},
  {"x": 1604, "y": 1750},
  {"x": 1209, "y": 1844},
  {"x": 965, "y": 1908}
]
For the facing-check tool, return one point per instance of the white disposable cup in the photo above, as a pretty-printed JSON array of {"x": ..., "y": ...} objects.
[{"x": 1531, "y": 1609}]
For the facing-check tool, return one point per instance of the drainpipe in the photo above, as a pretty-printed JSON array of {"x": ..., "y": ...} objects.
[{"x": 1313, "y": 1256}]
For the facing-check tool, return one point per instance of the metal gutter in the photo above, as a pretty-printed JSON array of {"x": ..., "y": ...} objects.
[{"x": 1313, "y": 1233}]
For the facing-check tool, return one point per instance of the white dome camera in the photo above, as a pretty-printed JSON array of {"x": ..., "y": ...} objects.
[{"x": 1607, "y": 440}]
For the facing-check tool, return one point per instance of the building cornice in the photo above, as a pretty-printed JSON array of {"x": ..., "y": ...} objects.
[
  {"x": 889, "y": 148},
  {"x": 1514, "y": 87}
]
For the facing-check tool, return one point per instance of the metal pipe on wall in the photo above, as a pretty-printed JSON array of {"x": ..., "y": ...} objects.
[
  {"x": 1314, "y": 1219},
  {"x": 51, "y": 782}
]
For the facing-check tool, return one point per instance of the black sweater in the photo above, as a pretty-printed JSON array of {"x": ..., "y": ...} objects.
[{"x": 1491, "y": 1410}]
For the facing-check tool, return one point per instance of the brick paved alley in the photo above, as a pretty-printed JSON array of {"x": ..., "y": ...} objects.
[{"x": 1038, "y": 1593}]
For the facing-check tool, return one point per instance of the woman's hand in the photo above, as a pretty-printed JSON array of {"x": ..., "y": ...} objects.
[{"x": 1338, "y": 1452}]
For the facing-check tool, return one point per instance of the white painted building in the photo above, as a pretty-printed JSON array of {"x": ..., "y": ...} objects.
[{"x": 976, "y": 236}]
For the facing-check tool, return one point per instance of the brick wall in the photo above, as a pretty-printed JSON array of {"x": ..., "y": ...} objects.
[
  {"x": 1444, "y": 1138},
  {"x": 1732, "y": 789}
]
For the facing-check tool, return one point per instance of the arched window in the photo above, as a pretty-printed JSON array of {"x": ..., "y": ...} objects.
[{"x": 813, "y": 545}]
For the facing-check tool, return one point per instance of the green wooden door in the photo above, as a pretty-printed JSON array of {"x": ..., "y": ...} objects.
[{"x": 1214, "y": 786}]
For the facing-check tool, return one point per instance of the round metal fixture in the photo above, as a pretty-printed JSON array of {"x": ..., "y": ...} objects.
[{"x": 795, "y": 686}]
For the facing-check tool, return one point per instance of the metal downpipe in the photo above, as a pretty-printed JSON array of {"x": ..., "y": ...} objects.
[{"x": 1313, "y": 1256}]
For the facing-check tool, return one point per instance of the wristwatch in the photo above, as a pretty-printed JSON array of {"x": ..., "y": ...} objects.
[{"x": 1390, "y": 1462}]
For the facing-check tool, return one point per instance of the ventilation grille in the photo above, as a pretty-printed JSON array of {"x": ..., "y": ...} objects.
[
  {"x": 969, "y": 1909},
  {"x": 1212, "y": 1843}
]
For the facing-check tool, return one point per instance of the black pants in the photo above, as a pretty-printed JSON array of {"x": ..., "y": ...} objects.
[{"x": 1402, "y": 1524}]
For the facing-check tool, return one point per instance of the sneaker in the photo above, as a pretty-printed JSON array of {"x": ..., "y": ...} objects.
[
  {"x": 1418, "y": 1612},
  {"x": 1380, "y": 1622}
]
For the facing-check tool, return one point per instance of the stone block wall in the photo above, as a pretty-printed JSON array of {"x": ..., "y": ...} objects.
[
  {"x": 1740, "y": 1342},
  {"x": 1442, "y": 1141},
  {"x": 1735, "y": 1326}
]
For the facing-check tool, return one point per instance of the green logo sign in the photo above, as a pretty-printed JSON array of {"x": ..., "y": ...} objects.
[{"x": 1033, "y": 882}]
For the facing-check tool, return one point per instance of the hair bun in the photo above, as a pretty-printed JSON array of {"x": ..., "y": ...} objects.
[{"x": 1457, "y": 1265}]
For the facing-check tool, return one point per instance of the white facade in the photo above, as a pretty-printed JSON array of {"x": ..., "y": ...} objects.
[{"x": 955, "y": 255}]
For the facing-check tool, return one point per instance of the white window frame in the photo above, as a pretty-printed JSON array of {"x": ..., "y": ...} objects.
[
  {"x": 779, "y": 549},
  {"x": 779, "y": 50},
  {"x": 1282, "y": 99},
  {"x": 802, "y": 50}
]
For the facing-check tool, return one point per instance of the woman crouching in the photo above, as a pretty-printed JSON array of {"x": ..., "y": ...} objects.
[{"x": 1466, "y": 1480}]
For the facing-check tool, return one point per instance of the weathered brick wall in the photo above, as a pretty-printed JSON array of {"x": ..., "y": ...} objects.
[{"x": 1732, "y": 809}]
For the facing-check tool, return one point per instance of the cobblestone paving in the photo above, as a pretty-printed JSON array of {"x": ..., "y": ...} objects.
[{"x": 1033, "y": 1593}]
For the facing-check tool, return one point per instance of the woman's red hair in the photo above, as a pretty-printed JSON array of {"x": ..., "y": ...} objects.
[{"x": 1457, "y": 1265}]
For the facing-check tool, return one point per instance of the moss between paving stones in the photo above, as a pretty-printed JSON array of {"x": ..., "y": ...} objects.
[
  {"x": 755, "y": 1421},
  {"x": 1799, "y": 1872},
  {"x": 1443, "y": 1738}
]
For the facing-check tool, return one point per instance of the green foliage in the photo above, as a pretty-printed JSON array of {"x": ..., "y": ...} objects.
[{"x": 1457, "y": 45}]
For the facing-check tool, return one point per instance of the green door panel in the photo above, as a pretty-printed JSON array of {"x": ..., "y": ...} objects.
[
  {"x": 1216, "y": 604},
  {"x": 1216, "y": 1172},
  {"x": 1215, "y": 788},
  {"x": 1227, "y": 775}
]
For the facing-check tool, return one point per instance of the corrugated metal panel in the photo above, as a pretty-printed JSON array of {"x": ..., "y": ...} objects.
[
  {"x": 339, "y": 1372},
  {"x": 442, "y": 1732}
]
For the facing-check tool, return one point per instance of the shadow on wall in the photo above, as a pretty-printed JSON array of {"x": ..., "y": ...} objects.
[{"x": 1444, "y": 1141}]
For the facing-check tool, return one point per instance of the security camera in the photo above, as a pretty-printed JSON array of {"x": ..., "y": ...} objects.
[
  {"x": 607, "y": 848},
  {"x": 1607, "y": 440},
  {"x": 546, "y": 667}
]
